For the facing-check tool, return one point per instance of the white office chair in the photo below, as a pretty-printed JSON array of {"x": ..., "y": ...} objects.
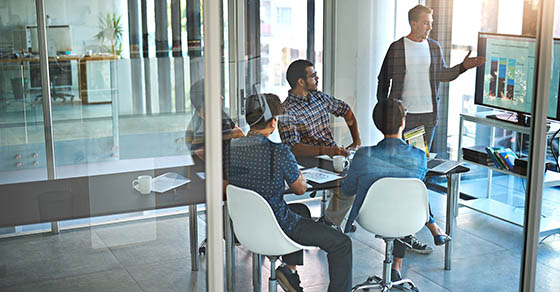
[
  {"x": 393, "y": 208},
  {"x": 256, "y": 228}
]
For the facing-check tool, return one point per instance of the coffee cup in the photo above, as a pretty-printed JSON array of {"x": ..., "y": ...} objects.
[
  {"x": 143, "y": 184},
  {"x": 340, "y": 163}
]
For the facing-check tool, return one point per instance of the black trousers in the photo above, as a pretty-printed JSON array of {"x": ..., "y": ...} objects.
[{"x": 337, "y": 245}]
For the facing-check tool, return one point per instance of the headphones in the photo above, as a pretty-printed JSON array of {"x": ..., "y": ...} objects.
[{"x": 258, "y": 110}]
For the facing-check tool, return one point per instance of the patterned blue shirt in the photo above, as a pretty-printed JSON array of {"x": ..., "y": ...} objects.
[
  {"x": 389, "y": 158},
  {"x": 307, "y": 119},
  {"x": 262, "y": 166}
]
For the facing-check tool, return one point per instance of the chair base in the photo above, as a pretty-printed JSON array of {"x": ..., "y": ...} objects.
[{"x": 375, "y": 282}]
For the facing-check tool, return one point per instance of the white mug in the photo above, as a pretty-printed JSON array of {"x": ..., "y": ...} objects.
[
  {"x": 340, "y": 163},
  {"x": 143, "y": 184}
]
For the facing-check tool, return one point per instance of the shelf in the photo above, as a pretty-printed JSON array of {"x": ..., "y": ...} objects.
[
  {"x": 551, "y": 178},
  {"x": 493, "y": 168},
  {"x": 510, "y": 214}
]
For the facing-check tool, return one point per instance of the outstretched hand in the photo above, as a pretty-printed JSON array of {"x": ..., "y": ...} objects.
[{"x": 473, "y": 61}]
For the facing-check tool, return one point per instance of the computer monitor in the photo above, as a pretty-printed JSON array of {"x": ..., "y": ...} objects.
[
  {"x": 506, "y": 81},
  {"x": 58, "y": 36}
]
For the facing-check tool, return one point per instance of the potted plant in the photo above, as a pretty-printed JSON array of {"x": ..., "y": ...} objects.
[{"x": 110, "y": 30}]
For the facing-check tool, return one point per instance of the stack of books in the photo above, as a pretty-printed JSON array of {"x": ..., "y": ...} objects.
[
  {"x": 477, "y": 154},
  {"x": 520, "y": 166},
  {"x": 502, "y": 158}
]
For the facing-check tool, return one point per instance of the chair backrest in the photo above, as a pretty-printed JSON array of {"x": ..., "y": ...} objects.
[
  {"x": 254, "y": 224},
  {"x": 394, "y": 207}
]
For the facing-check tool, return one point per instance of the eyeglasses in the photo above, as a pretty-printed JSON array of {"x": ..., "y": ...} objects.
[{"x": 314, "y": 75}]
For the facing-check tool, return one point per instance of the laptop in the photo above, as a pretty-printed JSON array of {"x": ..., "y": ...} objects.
[{"x": 442, "y": 166}]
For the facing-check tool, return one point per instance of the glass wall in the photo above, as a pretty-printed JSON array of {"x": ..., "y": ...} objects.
[
  {"x": 482, "y": 108},
  {"x": 22, "y": 136},
  {"x": 549, "y": 241}
]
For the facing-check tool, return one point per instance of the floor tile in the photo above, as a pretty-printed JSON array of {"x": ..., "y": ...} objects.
[
  {"x": 47, "y": 256},
  {"x": 117, "y": 280}
]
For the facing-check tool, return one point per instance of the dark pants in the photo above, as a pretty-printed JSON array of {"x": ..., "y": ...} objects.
[
  {"x": 426, "y": 120},
  {"x": 399, "y": 249},
  {"x": 337, "y": 245}
]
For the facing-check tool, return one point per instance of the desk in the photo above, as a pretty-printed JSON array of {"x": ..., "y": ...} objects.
[
  {"x": 82, "y": 67},
  {"x": 100, "y": 194}
]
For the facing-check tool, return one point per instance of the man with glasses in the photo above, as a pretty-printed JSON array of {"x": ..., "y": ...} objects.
[
  {"x": 307, "y": 129},
  {"x": 411, "y": 72}
]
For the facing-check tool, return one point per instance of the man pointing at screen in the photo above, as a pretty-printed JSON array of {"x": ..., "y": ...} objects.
[{"x": 412, "y": 71}]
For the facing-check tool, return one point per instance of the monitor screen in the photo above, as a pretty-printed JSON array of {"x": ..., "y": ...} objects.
[
  {"x": 506, "y": 81},
  {"x": 59, "y": 37}
]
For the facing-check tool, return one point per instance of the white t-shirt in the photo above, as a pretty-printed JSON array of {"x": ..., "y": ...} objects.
[{"x": 417, "y": 92}]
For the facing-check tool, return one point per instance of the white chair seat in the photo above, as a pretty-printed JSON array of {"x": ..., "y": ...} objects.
[
  {"x": 255, "y": 226},
  {"x": 393, "y": 208}
]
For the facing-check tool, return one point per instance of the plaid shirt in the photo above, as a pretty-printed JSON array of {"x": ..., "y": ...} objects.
[{"x": 307, "y": 119}]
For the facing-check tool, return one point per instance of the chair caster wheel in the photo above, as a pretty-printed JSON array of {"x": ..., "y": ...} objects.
[{"x": 202, "y": 250}]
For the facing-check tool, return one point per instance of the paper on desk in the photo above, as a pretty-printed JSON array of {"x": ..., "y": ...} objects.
[
  {"x": 319, "y": 175},
  {"x": 168, "y": 181}
]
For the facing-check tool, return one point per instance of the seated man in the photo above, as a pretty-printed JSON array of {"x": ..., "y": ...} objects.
[
  {"x": 391, "y": 157},
  {"x": 263, "y": 166},
  {"x": 307, "y": 129}
]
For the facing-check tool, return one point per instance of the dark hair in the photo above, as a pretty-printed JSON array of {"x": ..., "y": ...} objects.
[
  {"x": 415, "y": 12},
  {"x": 255, "y": 111},
  {"x": 196, "y": 94},
  {"x": 296, "y": 70},
  {"x": 388, "y": 115}
]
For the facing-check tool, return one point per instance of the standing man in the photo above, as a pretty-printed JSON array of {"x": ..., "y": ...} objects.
[
  {"x": 411, "y": 72},
  {"x": 413, "y": 69},
  {"x": 307, "y": 129}
]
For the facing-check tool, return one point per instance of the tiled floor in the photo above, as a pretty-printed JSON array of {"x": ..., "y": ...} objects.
[{"x": 153, "y": 255}]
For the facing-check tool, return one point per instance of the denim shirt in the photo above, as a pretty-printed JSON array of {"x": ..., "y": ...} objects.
[{"x": 391, "y": 157}]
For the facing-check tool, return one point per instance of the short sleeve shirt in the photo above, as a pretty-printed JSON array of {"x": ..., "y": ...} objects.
[
  {"x": 263, "y": 166},
  {"x": 306, "y": 119}
]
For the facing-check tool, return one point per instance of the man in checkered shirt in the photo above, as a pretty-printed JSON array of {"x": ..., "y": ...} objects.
[{"x": 307, "y": 129}]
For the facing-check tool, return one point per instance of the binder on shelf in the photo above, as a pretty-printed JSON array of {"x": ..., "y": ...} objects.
[
  {"x": 492, "y": 153},
  {"x": 508, "y": 157}
]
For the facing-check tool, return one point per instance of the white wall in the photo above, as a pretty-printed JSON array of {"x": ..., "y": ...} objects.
[
  {"x": 363, "y": 31},
  {"x": 81, "y": 15}
]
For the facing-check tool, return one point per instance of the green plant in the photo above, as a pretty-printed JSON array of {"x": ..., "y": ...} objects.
[{"x": 110, "y": 30}]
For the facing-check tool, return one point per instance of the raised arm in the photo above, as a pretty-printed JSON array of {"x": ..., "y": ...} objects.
[{"x": 352, "y": 124}]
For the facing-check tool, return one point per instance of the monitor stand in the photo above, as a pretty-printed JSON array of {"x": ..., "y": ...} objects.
[{"x": 514, "y": 118}]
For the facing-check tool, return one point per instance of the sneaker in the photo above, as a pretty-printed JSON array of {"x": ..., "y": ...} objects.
[
  {"x": 417, "y": 246},
  {"x": 288, "y": 280},
  {"x": 395, "y": 275}
]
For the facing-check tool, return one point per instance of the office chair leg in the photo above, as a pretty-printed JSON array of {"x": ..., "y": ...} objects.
[
  {"x": 387, "y": 263},
  {"x": 272, "y": 285},
  {"x": 384, "y": 283}
]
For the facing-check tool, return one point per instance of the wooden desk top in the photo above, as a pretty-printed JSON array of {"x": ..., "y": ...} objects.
[{"x": 80, "y": 58}]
